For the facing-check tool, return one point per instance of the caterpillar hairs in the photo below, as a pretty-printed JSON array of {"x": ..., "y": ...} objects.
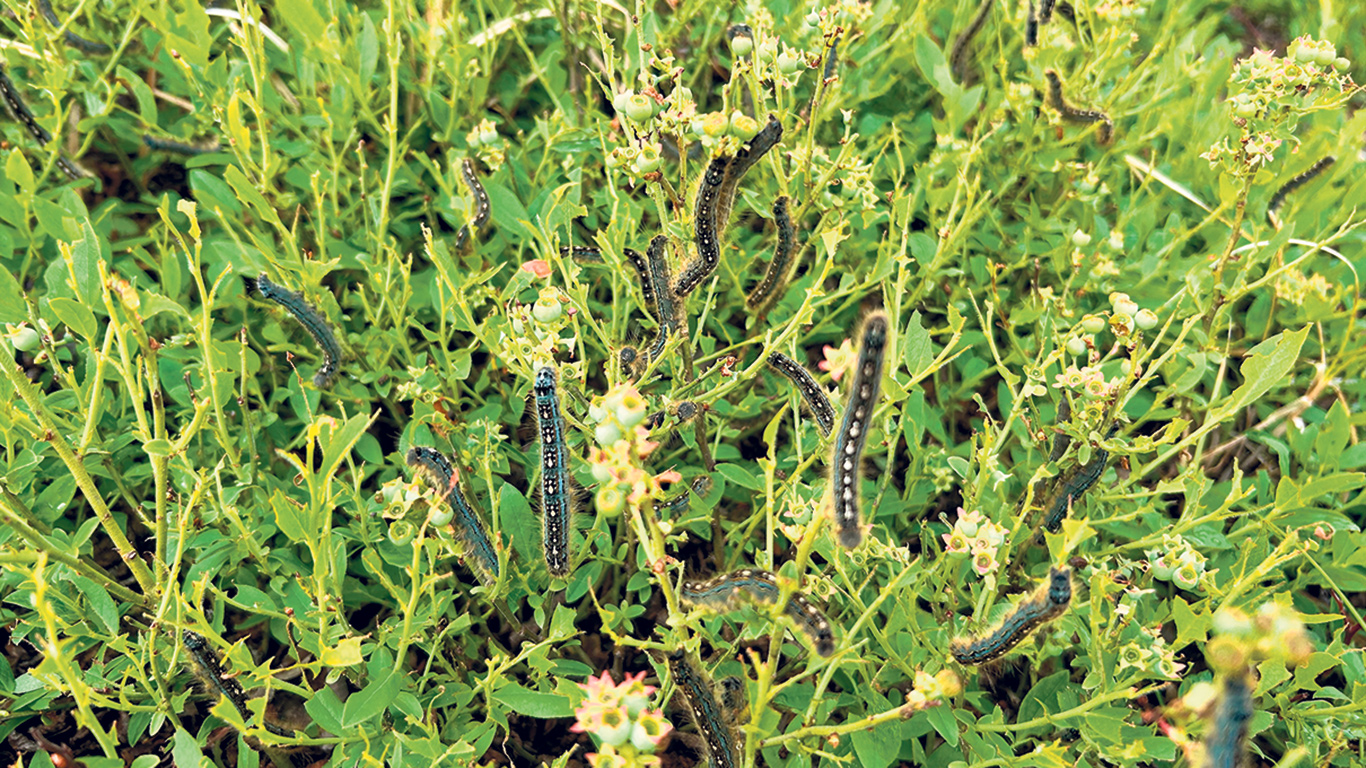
[
  {"x": 1277, "y": 200},
  {"x": 704, "y": 229},
  {"x": 706, "y": 712},
  {"x": 310, "y": 319},
  {"x": 208, "y": 668},
  {"x": 1047, "y": 605},
  {"x": 439, "y": 472},
  {"x": 853, "y": 431},
  {"x": 767, "y": 292},
  {"x": 812, "y": 393},
  {"x": 727, "y": 592},
  {"x": 666, "y": 304},
  {"x": 481, "y": 204},
  {"x": 1071, "y": 114},
  {"x": 556, "y": 495}
]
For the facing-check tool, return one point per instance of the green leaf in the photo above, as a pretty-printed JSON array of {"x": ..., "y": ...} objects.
[
  {"x": 18, "y": 171},
  {"x": 371, "y": 701},
  {"x": 85, "y": 269},
  {"x": 75, "y": 316},
  {"x": 533, "y": 703},
  {"x": 740, "y": 476},
  {"x": 324, "y": 707},
  {"x": 185, "y": 751},
  {"x": 11, "y": 299},
  {"x": 336, "y": 444},
  {"x": 101, "y": 605},
  {"x": 159, "y": 448},
  {"x": 292, "y": 519},
  {"x": 1268, "y": 364},
  {"x": 944, "y": 724},
  {"x": 919, "y": 349},
  {"x": 1191, "y": 626}
]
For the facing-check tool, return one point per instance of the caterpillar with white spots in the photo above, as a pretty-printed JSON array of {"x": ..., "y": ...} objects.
[
  {"x": 1048, "y": 604},
  {"x": 556, "y": 493},
  {"x": 469, "y": 529},
  {"x": 310, "y": 319},
  {"x": 728, "y": 592},
  {"x": 853, "y": 431}
]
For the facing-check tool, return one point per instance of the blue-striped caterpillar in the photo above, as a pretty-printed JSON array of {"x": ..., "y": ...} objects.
[
  {"x": 469, "y": 529},
  {"x": 310, "y": 319},
  {"x": 585, "y": 253},
  {"x": 1071, "y": 114},
  {"x": 704, "y": 229},
  {"x": 556, "y": 492},
  {"x": 1227, "y": 741},
  {"x": 706, "y": 712},
  {"x": 179, "y": 147},
  {"x": 72, "y": 39},
  {"x": 678, "y": 503},
  {"x": 813, "y": 394},
  {"x": 14, "y": 104},
  {"x": 853, "y": 431},
  {"x": 666, "y": 303},
  {"x": 727, "y": 592},
  {"x": 1047, "y": 605},
  {"x": 1071, "y": 487},
  {"x": 762, "y": 298},
  {"x": 481, "y": 204},
  {"x": 1277, "y": 200},
  {"x": 958, "y": 56},
  {"x": 210, "y": 671}
]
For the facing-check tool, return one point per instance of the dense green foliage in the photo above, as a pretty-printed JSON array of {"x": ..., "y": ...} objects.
[{"x": 170, "y": 466}]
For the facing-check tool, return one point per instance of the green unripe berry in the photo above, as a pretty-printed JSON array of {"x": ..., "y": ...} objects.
[
  {"x": 440, "y": 516},
  {"x": 607, "y": 433},
  {"x": 1077, "y": 346},
  {"x": 1146, "y": 319},
  {"x": 547, "y": 307},
  {"x": 648, "y": 159},
  {"x": 619, "y": 101},
  {"x": 489, "y": 136},
  {"x": 789, "y": 63},
  {"x": 742, "y": 44},
  {"x": 1093, "y": 323},
  {"x": 1081, "y": 239},
  {"x": 742, "y": 126},
  {"x": 25, "y": 339},
  {"x": 713, "y": 125},
  {"x": 610, "y": 501},
  {"x": 640, "y": 108},
  {"x": 631, "y": 411},
  {"x": 401, "y": 532}
]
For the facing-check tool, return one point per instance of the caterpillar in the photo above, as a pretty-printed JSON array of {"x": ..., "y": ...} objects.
[
  {"x": 775, "y": 278},
  {"x": 730, "y": 691},
  {"x": 434, "y": 465},
  {"x": 813, "y": 394},
  {"x": 1071, "y": 114},
  {"x": 310, "y": 319},
  {"x": 1047, "y": 605},
  {"x": 1045, "y": 11},
  {"x": 666, "y": 308},
  {"x": 72, "y": 39},
  {"x": 1278, "y": 199},
  {"x": 1031, "y": 27},
  {"x": 1073, "y": 487},
  {"x": 1060, "y": 439},
  {"x": 585, "y": 253},
  {"x": 831, "y": 59},
  {"x": 853, "y": 431},
  {"x": 481, "y": 204},
  {"x": 721, "y": 594},
  {"x": 958, "y": 56},
  {"x": 745, "y": 158},
  {"x": 179, "y": 147},
  {"x": 1226, "y": 743},
  {"x": 556, "y": 496},
  {"x": 706, "y": 711},
  {"x": 704, "y": 229},
  {"x": 18, "y": 110},
  {"x": 210, "y": 670},
  {"x": 647, "y": 285},
  {"x": 678, "y": 503}
]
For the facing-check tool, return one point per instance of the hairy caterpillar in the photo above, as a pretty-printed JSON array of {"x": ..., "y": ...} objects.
[
  {"x": 813, "y": 394},
  {"x": 678, "y": 503},
  {"x": 722, "y": 593},
  {"x": 1071, "y": 488},
  {"x": 556, "y": 496},
  {"x": 1045, "y": 11},
  {"x": 666, "y": 305},
  {"x": 853, "y": 431},
  {"x": 831, "y": 59},
  {"x": 1278, "y": 199},
  {"x": 586, "y": 253},
  {"x": 179, "y": 147},
  {"x": 210, "y": 670},
  {"x": 775, "y": 278},
  {"x": 745, "y": 158},
  {"x": 72, "y": 39},
  {"x": 1071, "y": 114},
  {"x": 1060, "y": 439},
  {"x": 958, "y": 57},
  {"x": 1031, "y": 27},
  {"x": 706, "y": 711},
  {"x": 18, "y": 110},
  {"x": 310, "y": 319},
  {"x": 704, "y": 229},
  {"x": 434, "y": 465},
  {"x": 481, "y": 204},
  {"x": 1047, "y": 605},
  {"x": 1226, "y": 743},
  {"x": 730, "y": 691}
]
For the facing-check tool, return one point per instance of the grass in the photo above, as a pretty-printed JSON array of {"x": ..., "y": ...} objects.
[{"x": 1061, "y": 303}]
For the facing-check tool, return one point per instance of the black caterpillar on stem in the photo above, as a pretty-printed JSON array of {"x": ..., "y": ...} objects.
[
  {"x": 853, "y": 431},
  {"x": 1071, "y": 114}
]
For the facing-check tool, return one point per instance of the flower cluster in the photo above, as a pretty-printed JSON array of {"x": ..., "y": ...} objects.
[
  {"x": 931, "y": 690},
  {"x": 620, "y": 720},
  {"x": 973, "y": 535},
  {"x": 1274, "y": 633},
  {"x": 622, "y": 443},
  {"x": 1178, "y": 562}
]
